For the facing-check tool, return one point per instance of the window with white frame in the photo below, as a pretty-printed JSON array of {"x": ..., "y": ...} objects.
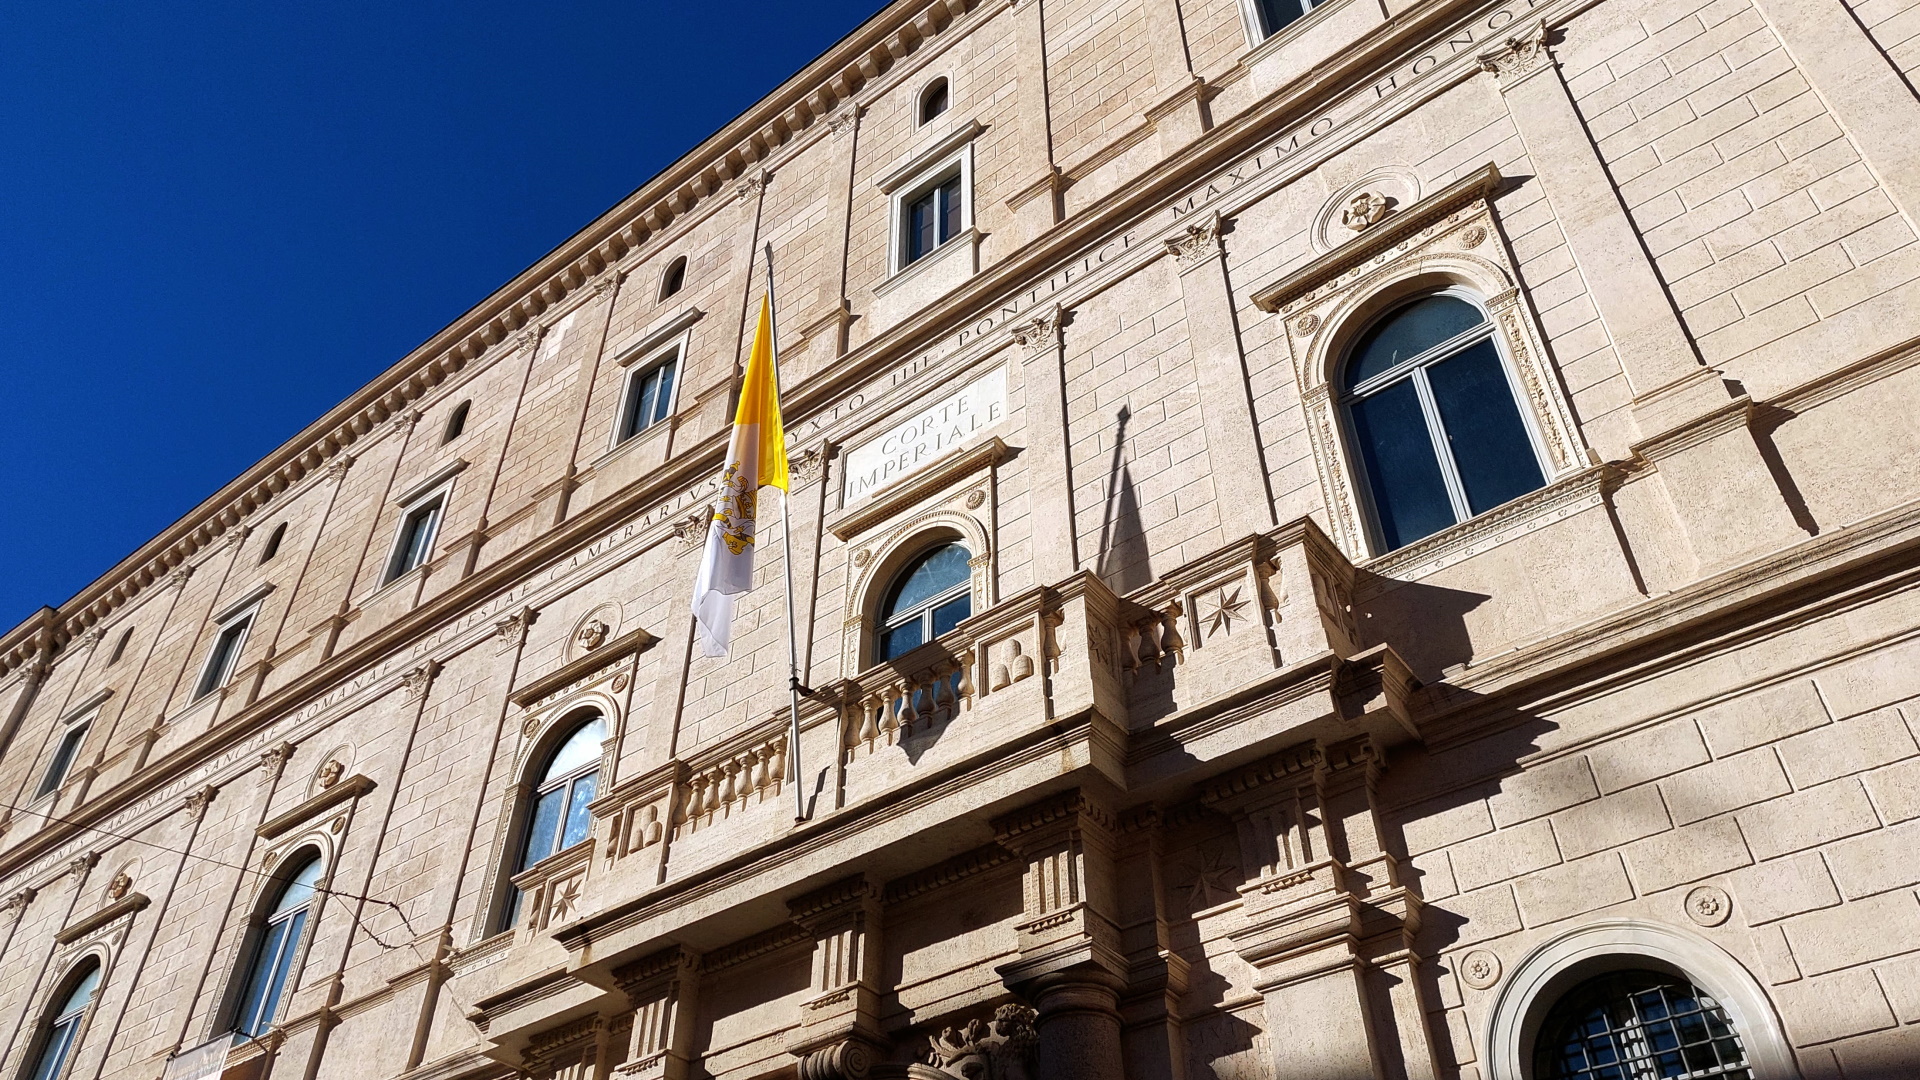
[
  {"x": 1268, "y": 17},
  {"x": 930, "y": 217},
  {"x": 277, "y": 934},
  {"x": 226, "y": 651},
  {"x": 64, "y": 753},
  {"x": 931, "y": 596},
  {"x": 61, "y": 1027},
  {"x": 935, "y": 99},
  {"x": 556, "y": 816},
  {"x": 1434, "y": 419},
  {"x": 649, "y": 396},
  {"x": 418, "y": 524}
]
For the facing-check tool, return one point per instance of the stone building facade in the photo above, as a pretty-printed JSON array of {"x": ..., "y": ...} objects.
[{"x": 1372, "y": 541}]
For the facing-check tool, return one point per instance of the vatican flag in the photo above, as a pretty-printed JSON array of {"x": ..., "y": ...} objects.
[{"x": 756, "y": 458}]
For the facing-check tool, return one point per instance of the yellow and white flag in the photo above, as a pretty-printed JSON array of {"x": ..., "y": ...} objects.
[{"x": 756, "y": 458}]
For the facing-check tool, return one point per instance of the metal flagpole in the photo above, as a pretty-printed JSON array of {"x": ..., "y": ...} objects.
[{"x": 786, "y": 559}]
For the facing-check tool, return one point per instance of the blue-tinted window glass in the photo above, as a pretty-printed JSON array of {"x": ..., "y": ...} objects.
[
  {"x": 1484, "y": 430},
  {"x": 1409, "y": 494},
  {"x": 902, "y": 640},
  {"x": 64, "y": 1026},
  {"x": 273, "y": 959},
  {"x": 581, "y": 748},
  {"x": 949, "y": 210},
  {"x": 1408, "y": 332},
  {"x": 649, "y": 400},
  {"x": 543, "y": 826},
  {"x": 62, "y": 760},
  {"x": 579, "y": 822},
  {"x": 1276, "y": 14},
  {"x": 939, "y": 570},
  {"x": 920, "y": 226},
  {"x": 948, "y": 615}
]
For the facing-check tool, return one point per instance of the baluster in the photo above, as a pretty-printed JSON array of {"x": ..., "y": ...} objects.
[
  {"x": 729, "y": 784},
  {"x": 1170, "y": 640},
  {"x": 696, "y": 800},
  {"x": 750, "y": 778},
  {"x": 779, "y": 764},
  {"x": 966, "y": 678},
  {"x": 761, "y": 779}
]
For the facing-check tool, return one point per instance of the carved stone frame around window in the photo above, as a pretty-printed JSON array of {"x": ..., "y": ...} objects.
[{"x": 1450, "y": 238}]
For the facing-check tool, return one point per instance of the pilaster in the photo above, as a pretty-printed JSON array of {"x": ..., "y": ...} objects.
[
  {"x": 661, "y": 989},
  {"x": 839, "y": 1036},
  {"x": 1071, "y": 964},
  {"x": 1040, "y": 342},
  {"x": 1036, "y": 179},
  {"x": 1245, "y": 505},
  {"x": 1326, "y": 923}
]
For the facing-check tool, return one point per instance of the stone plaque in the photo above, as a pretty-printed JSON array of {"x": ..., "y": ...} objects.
[{"x": 927, "y": 436}]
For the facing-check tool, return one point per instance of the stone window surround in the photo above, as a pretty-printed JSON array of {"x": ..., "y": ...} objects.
[
  {"x": 541, "y": 732},
  {"x": 1557, "y": 965},
  {"x": 640, "y": 365},
  {"x": 266, "y": 886},
  {"x": 910, "y": 527},
  {"x": 102, "y": 948},
  {"x": 1259, "y": 42},
  {"x": 1448, "y": 240},
  {"x": 244, "y": 609},
  {"x": 912, "y": 179},
  {"x": 438, "y": 485}
]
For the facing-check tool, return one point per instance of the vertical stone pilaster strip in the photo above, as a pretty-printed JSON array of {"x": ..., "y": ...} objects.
[
  {"x": 1652, "y": 345},
  {"x": 839, "y": 1036},
  {"x": 1035, "y": 177},
  {"x": 1241, "y": 487},
  {"x": 1053, "y": 539},
  {"x": 1070, "y": 963},
  {"x": 1860, "y": 87},
  {"x": 662, "y": 990}
]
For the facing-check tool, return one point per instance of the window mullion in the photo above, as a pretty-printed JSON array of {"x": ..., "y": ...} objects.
[{"x": 1437, "y": 431}]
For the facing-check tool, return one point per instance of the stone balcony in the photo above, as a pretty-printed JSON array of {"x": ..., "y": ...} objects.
[{"x": 1221, "y": 664}]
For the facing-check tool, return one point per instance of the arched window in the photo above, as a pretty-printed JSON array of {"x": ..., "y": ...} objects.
[
  {"x": 62, "y": 1026},
  {"x": 273, "y": 542},
  {"x": 557, "y": 819},
  {"x": 930, "y": 597},
  {"x": 456, "y": 422},
  {"x": 120, "y": 646},
  {"x": 675, "y": 277},
  {"x": 1434, "y": 419},
  {"x": 278, "y": 939},
  {"x": 934, "y": 100},
  {"x": 1638, "y": 1025}
]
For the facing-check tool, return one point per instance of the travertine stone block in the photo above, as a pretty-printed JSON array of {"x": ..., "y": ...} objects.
[
  {"x": 1806, "y": 818},
  {"x": 1877, "y": 861},
  {"x": 1851, "y": 746},
  {"x": 1857, "y": 932},
  {"x": 1727, "y": 784},
  {"x": 1783, "y": 887},
  {"x": 1505, "y": 854},
  {"x": 1896, "y": 791},
  {"x": 1542, "y": 789},
  {"x": 1658, "y": 751},
  {"x": 1610, "y": 821},
  {"x": 1689, "y": 853},
  {"x": 1762, "y": 717},
  {"x": 1834, "y": 1007},
  {"x": 1572, "y": 889}
]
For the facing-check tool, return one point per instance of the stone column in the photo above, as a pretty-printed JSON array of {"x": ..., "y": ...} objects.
[
  {"x": 839, "y": 1036},
  {"x": 1220, "y": 369},
  {"x": 1324, "y": 914},
  {"x": 1070, "y": 964},
  {"x": 661, "y": 990},
  {"x": 1041, "y": 344}
]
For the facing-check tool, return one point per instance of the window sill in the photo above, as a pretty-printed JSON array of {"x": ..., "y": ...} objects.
[
  {"x": 1307, "y": 41},
  {"x": 918, "y": 284},
  {"x": 1556, "y": 501}
]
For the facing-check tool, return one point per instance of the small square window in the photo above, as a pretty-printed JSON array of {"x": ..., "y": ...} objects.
[
  {"x": 226, "y": 650},
  {"x": 932, "y": 218},
  {"x": 649, "y": 397},
  {"x": 1274, "y": 16},
  {"x": 63, "y": 756},
  {"x": 415, "y": 541}
]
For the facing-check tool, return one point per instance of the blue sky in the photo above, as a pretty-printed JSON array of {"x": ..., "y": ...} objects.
[{"x": 218, "y": 219}]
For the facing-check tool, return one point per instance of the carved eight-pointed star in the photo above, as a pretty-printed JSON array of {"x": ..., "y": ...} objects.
[
  {"x": 1223, "y": 609},
  {"x": 566, "y": 901},
  {"x": 1212, "y": 882}
]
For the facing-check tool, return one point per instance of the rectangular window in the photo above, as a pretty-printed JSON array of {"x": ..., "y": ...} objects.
[
  {"x": 415, "y": 542},
  {"x": 1276, "y": 15},
  {"x": 932, "y": 219},
  {"x": 226, "y": 649},
  {"x": 649, "y": 397},
  {"x": 63, "y": 756}
]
